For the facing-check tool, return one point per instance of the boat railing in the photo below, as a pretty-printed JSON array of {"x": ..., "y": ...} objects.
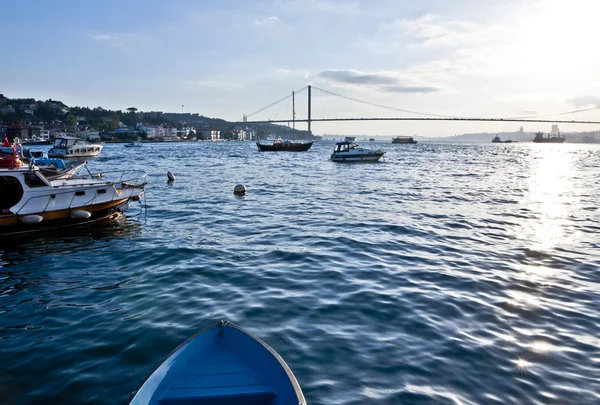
[
  {"x": 137, "y": 181},
  {"x": 129, "y": 177}
]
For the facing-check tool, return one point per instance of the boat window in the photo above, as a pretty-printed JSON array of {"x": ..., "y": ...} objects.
[
  {"x": 33, "y": 180},
  {"x": 11, "y": 192}
]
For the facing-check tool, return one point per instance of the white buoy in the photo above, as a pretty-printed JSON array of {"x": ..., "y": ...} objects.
[
  {"x": 31, "y": 219},
  {"x": 80, "y": 214},
  {"x": 239, "y": 189},
  {"x": 123, "y": 207},
  {"x": 170, "y": 176}
]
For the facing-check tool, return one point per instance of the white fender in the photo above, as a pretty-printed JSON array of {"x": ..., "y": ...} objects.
[
  {"x": 80, "y": 214},
  {"x": 31, "y": 219},
  {"x": 123, "y": 207}
]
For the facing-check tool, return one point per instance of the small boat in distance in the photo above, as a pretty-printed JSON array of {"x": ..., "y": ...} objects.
[
  {"x": 223, "y": 364},
  {"x": 371, "y": 139},
  {"x": 73, "y": 147},
  {"x": 351, "y": 152},
  {"x": 498, "y": 140},
  {"x": 279, "y": 145},
  {"x": 403, "y": 139},
  {"x": 350, "y": 138},
  {"x": 133, "y": 145},
  {"x": 539, "y": 138},
  {"x": 34, "y": 140}
]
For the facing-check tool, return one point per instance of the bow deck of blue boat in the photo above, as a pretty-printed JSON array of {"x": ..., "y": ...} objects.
[{"x": 222, "y": 365}]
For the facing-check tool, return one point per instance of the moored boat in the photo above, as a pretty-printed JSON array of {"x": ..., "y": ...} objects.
[
  {"x": 223, "y": 364},
  {"x": 279, "y": 145},
  {"x": 73, "y": 147},
  {"x": 29, "y": 201},
  {"x": 403, "y": 139},
  {"x": 351, "y": 152}
]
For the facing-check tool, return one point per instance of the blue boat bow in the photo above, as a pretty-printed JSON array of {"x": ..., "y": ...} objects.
[{"x": 225, "y": 365}]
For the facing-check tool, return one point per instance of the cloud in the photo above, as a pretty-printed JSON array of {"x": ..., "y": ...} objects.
[
  {"x": 584, "y": 101},
  {"x": 434, "y": 30},
  {"x": 319, "y": 6},
  {"x": 105, "y": 37},
  {"x": 267, "y": 21},
  {"x": 525, "y": 112},
  {"x": 212, "y": 84},
  {"x": 383, "y": 82},
  {"x": 293, "y": 72},
  {"x": 121, "y": 39}
]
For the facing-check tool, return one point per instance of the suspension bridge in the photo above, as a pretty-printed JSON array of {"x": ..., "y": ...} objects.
[{"x": 417, "y": 115}]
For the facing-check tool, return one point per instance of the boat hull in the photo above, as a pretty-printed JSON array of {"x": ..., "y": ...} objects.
[
  {"x": 284, "y": 147},
  {"x": 222, "y": 364},
  {"x": 549, "y": 140},
  {"x": 11, "y": 225},
  {"x": 374, "y": 157},
  {"x": 66, "y": 155}
]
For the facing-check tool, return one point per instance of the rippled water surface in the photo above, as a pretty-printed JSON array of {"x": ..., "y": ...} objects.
[{"x": 447, "y": 274}]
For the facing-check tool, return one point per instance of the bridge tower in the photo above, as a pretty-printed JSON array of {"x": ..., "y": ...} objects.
[{"x": 309, "y": 133}]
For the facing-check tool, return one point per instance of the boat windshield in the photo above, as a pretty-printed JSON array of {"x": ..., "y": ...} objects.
[
  {"x": 345, "y": 147},
  {"x": 62, "y": 143}
]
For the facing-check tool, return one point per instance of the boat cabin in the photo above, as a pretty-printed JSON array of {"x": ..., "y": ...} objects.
[
  {"x": 13, "y": 184},
  {"x": 344, "y": 147},
  {"x": 73, "y": 145}
]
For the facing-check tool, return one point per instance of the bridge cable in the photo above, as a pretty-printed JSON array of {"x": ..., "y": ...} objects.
[
  {"x": 563, "y": 113},
  {"x": 383, "y": 106},
  {"x": 450, "y": 116},
  {"x": 274, "y": 103}
]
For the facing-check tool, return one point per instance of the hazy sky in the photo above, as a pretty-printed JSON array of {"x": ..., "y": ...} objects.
[{"x": 228, "y": 58}]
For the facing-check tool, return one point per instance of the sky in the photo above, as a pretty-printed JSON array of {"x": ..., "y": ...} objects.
[{"x": 466, "y": 58}]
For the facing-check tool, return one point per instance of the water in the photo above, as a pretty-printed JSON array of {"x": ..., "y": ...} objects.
[{"x": 447, "y": 274}]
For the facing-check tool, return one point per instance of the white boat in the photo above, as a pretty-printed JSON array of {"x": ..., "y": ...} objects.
[
  {"x": 133, "y": 145},
  {"x": 73, "y": 147},
  {"x": 29, "y": 201},
  {"x": 351, "y": 152}
]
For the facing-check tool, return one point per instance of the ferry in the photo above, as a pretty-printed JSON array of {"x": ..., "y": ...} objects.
[{"x": 403, "y": 139}]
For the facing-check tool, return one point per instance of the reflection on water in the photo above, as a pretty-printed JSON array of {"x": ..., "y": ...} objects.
[
  {"x": 24, "y": 248},
  {"x": 448, "y": 274},
  {"x": 550, "y": 192}
]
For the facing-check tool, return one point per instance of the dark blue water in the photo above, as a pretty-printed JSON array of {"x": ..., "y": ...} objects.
[{"x": 448, "y": 274}]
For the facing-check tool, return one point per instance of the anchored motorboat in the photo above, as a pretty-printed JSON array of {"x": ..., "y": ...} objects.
[
  {"x": 73, "y": 147},
  {"x": 29, "y": 201},
  {"x": 351, "y": 152}
]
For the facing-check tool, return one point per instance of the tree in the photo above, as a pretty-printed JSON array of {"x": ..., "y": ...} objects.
[
  {"x": 132, "y": 110},
  {"x": 71, "y": 120},
  {"x": 45, "y": 111}
]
